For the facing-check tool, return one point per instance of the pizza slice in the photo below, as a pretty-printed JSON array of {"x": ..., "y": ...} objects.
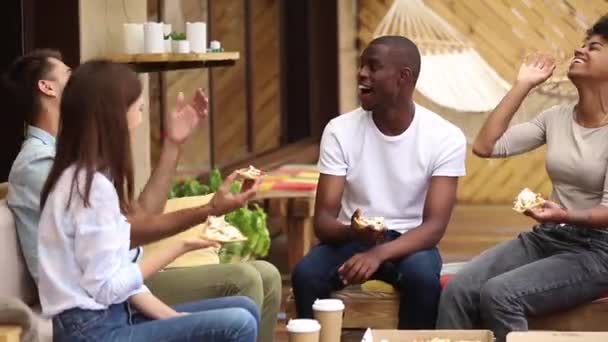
[
  {"x": 249, "y": 173},
  {"x": 217, "y": 229},
  {"x": 527, "y": 199},
  {"x": 360, "y": 222}
]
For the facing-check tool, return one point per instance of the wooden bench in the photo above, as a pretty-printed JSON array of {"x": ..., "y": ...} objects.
[
  {"x": 379, "y": 310},
  {"x": 364, "y": 309}
]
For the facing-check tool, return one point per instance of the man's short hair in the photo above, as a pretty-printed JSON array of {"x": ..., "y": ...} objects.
[
  {"x": 21, "y": 81},
  {"x": 408, "y": 48}
]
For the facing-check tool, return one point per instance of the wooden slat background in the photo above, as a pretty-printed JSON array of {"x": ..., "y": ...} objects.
[
  {"x": 228, "y": 91},
  {"x": 195, "y": 153},
  {"x": 228, "y": 94},
  {"x": 503, "y": 32},
  {"x": 266, "y": 65}
]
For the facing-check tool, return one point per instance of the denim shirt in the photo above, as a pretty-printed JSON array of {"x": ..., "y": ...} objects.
[{"x": 25, "y": 182}]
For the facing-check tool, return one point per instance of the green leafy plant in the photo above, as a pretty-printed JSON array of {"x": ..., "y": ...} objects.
[
  {"x": 189, "y": 187},
  {"x": 176, "y": 36},
  {"x": 252, "y": 222}
]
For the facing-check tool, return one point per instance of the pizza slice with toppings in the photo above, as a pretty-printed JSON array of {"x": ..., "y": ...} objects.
[
  {"x": 217, "y": 229},
  {"x": 527, "y": 199}
]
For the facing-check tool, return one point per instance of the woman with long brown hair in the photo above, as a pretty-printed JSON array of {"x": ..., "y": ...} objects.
[
  {"x": 563, "y": 261},
  {"x": 88, "y": 282}
]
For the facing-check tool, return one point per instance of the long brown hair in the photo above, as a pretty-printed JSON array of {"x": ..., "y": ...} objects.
[{"x": 93, "y": 129}]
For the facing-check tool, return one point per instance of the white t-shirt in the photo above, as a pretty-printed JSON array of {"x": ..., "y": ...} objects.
[{"x": 389, "y": 175}]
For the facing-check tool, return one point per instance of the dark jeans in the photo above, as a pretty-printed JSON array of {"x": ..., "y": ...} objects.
[
  {"x": 233, "y": 319},
  {"x": 417, "y": 280},
  {"x": 551, "y": 268}
]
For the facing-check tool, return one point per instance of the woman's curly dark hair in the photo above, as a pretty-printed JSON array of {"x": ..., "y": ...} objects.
[{"x": 600, "y": 28}]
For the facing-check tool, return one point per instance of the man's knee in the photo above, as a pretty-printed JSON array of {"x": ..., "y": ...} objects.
[
  {"x": 303, "y": 272},
  {"x": 271, "y": 277},
  {"x": 244, "y": 279},
  {"x": 417, "y": 277}
]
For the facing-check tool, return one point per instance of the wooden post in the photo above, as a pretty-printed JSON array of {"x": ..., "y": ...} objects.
[
  {"x": 300, "y": 234},
  {"x": 10, "y": 333}
]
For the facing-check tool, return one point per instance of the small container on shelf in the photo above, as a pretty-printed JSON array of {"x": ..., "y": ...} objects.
[
  {"x": 181, "y": 46},
  {"x": 133, "y": 38},
  {"x": 197, "y": 36},
  {"x": 179, "y": 43},
  {"x": 215, "y": 46},
  {"x": 153, "y": 38}
]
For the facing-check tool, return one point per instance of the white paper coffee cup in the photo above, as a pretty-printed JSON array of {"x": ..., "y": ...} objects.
[
  {"x": 328, "y": 305},
  {"x": 303, "y": 330},
  {"x": 329, "y": 314}
]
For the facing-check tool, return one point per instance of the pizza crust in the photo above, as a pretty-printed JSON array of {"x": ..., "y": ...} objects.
[
  {"x": 249, "y": 173},
  {"x": 217, "y": 229},
  {"x": 527, "y": 199},
  {"x": 360, "y": 222}
]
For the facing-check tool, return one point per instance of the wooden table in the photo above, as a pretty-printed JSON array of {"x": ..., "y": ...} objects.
[
  {"x": 292, "y": 209},
  {"x": 294, "y": 213}
]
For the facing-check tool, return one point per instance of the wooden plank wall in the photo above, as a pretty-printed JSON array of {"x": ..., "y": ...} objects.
[
  {"x": 503, "y": 32},
  {"x": 266, "y": 82},
  {"x": 101, "y": 36},
  {"x": 195, "y": 155},
  {"x": 227, "y": 87}
]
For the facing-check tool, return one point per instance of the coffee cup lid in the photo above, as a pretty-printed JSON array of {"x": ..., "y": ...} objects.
[
  {"x": 303, "y": 326},
  {"x": 328, "y": 305}
]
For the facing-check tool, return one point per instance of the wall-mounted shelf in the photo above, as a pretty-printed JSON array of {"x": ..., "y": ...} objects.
[{"x": 157, "y": 62}]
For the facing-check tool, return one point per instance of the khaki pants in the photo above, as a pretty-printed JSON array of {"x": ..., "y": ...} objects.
[{"x": 258, "y": 280}]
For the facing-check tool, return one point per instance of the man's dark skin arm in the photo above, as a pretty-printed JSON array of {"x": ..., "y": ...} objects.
[
  {"x": 327, "y": 206},
  {"x": 440, "y": 200}
]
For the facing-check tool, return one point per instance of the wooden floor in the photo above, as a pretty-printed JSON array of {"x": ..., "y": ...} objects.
[
  {"x": 475, "y": 228},
  {"x": 472, "y": 230}
]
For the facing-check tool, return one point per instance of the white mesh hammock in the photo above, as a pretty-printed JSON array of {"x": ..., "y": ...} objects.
[{"x": 452, "y": 74}]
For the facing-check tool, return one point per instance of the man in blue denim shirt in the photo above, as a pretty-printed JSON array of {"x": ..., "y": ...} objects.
[
  {"x": 28, "y": 173},
  {"x": 37, "y": 80},
  {"x": 45, "y": 70}
]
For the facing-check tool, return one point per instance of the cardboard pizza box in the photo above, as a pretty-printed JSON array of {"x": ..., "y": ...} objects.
[
  {"x": 557, "y": 336},
  {"x": 374, "y": 335}
]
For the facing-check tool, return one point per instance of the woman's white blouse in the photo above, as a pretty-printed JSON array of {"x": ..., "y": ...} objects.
[{"x": 84, "y": 258}]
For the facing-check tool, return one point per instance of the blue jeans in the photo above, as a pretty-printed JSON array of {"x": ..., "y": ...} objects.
[
  {"x": 417, "y": 279},
  {"x": 221, "y": 319}
]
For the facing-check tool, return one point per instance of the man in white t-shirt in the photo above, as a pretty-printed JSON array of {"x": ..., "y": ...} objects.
[{"x": 390, "y": 158}]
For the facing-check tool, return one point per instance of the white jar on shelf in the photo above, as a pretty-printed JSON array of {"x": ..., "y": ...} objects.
[{"x": 197, "y": 36}]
